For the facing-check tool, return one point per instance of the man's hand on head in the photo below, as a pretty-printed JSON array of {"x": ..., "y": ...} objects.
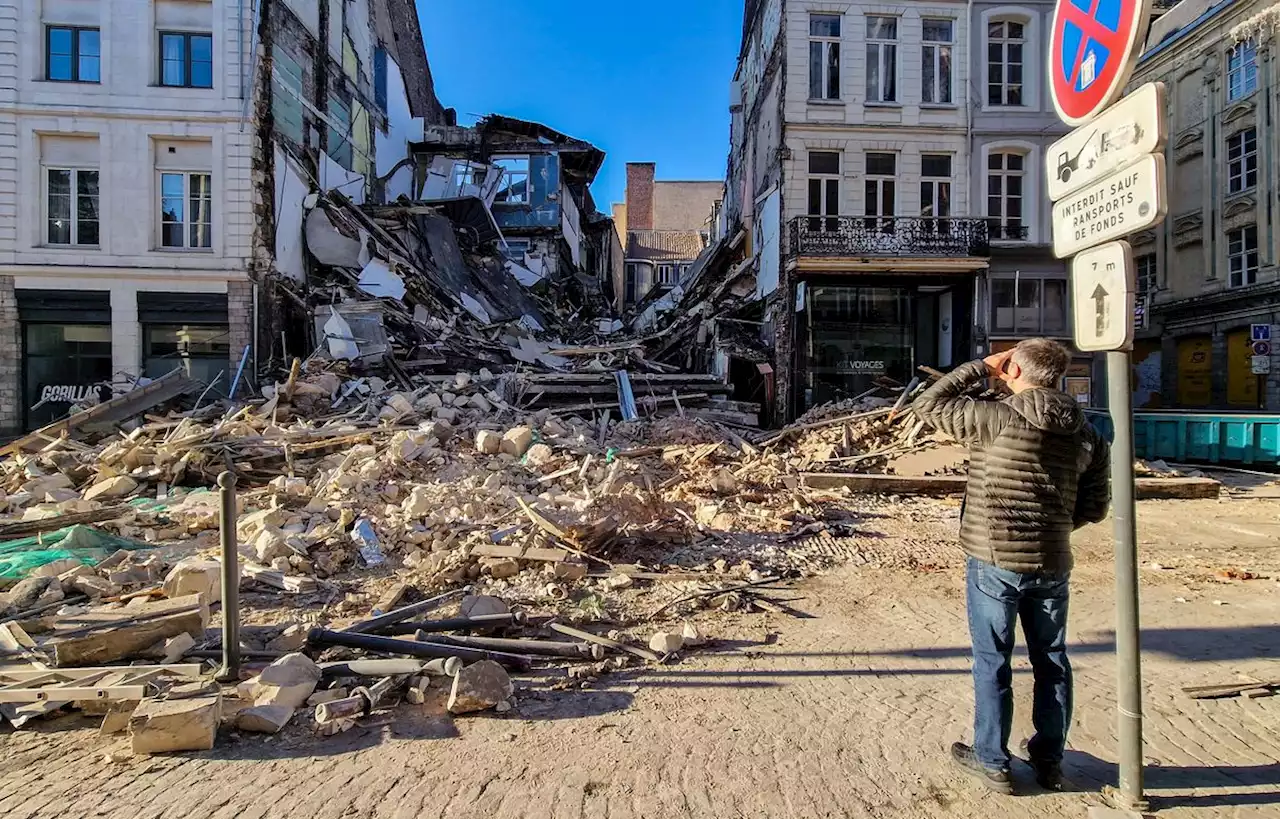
[{"x": 997, "y": 364}]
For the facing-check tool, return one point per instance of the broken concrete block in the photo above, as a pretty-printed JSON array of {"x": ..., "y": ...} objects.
[
  {"x": 488, "y": 442},
  {"x": 263, "y": 719},
  {"x": 112, "y": 488},
  {"x": 692, "y": 635},
  {"x": 501, "y": 567},
  {"x": 57, "y": 567},
  {"x": 481, "y": 403},
  {"x": 418, "y": 504},
  {"x": 553, "y": 428},
  {"x": 431, "y": 401},
  {"x": 517, "y": 440},
  {"x": 539, "y": 455},
  {"x": 159, "y": 726},
  {"x": 68, "y": 578},
  {"x": 292, "y": 638},
  {"x": 270, "y": 544},
  {"x": 202, "y": 577},
  {"x": 95, "y": 587},
  {"x": 479, "y": 686},
  {"x": 117, "y": 717},
  {"x": 321, "y": 697},
  {"x": 248, "y": 526},
  {"x": 475, "y": 605},
  {"x": 288, "y": 682},
  {"x": 570, "y": 571},
  {"x": 447, "y": 414},
  {"x": 666, "y": 642},
  {"x": 25, "y": 594},
  {"x": 723, "y": 482},
  {"x": 175, "y": 648}
]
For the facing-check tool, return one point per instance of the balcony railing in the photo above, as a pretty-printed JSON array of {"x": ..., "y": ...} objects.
[
  {"x": 887, "y": 236},
  {"x": 1007, "y": 232}
]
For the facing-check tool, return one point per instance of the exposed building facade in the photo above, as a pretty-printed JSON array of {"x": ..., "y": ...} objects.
[
  {"x": 125, "y": 210},
  {"x": 152, "y": 166},
  {"x": 1209, "y": 273},
  {"x": 666, "y": 224}
]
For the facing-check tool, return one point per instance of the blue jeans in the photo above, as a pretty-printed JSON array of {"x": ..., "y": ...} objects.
[{"x": 996, "y": 599}]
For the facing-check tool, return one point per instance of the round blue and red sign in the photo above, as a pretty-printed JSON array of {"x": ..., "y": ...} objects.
[{"x": 1093, "y": 47}]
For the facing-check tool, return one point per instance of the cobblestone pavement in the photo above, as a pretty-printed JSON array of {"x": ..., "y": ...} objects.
[{"x": 846, "y": 714}]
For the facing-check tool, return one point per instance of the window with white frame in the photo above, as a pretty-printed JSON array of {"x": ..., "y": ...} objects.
[
  {"x": 882, "y": 59},
  {"x": 1006, "y": 44},
  {"x": 1029, "y": 306},
  {"x": 879, "y": 202},
  {"x": 1145, "y": 273},
  {"x": 1006, "y": 173},
  {"x": 186, "y": 210},
  {"x": 824, "y": 56},
  {"x": 514, "y": 188},
  {"x": 1242, "y": 256},
  {"x": 71, "y": 202},
  {"x": 824, "y": 189},
  {"x": 667, "y": 274},
  {"x": 935, "y": 188},
  {"x": 1242, "y": 71},
  {"x": 1242, "y": 160},
  {"x": 935, "y": 57}
]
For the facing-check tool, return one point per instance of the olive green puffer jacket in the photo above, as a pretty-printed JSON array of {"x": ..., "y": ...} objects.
[{"x": 1037, "y": 470}]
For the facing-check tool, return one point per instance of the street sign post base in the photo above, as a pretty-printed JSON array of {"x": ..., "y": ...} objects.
[{"x": 1116, "y": 799}]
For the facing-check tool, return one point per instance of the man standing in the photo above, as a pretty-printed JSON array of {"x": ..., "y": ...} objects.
[{"x": 1037, "y": 471}]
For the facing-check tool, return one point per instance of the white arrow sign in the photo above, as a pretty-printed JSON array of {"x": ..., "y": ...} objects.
[
  {"x": 1102, "y": 293},
  {"x": 1124, "y": 132},
  {"x": 1129, "y": 200}
]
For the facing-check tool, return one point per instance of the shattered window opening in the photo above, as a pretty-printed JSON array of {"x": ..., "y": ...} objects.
[
  {"x": 72, "y": 206},
  {"x": 514, "y": 188},
  {"x": 186, "y": 210}
]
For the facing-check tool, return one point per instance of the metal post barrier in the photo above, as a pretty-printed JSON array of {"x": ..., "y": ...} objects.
[
  {"x": 1128, "y": 649},
  {"x": 230, "y": 671}
]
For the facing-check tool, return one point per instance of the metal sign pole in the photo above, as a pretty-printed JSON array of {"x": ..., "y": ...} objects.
[{"x": 1128, "y": 648}]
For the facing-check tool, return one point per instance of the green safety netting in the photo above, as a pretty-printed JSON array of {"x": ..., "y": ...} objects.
[{"x": 20, "y": 557}]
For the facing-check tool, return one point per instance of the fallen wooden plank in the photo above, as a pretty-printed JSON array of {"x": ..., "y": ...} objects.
[
  {"x": 1146, "y": 488},
  {"x": 28, "y": 675},
  {"x": 642, "y": 653},
  {"x": 1209, "y": 692},
  {"x": 27, "y": 528},
  {"x": 116, "y": 638}
]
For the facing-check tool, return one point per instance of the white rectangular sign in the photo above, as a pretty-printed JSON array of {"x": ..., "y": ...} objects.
[
  {"x": 1124, "y": 132},
  {"x": 1129, "y": 200},
  {"x": 1102, "y": 296},
  {"x": 1260, "y": 365}
]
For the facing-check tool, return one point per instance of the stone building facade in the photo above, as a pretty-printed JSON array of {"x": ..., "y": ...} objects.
[
  {"x": 1209, "y": 274},
  {"x": 125, "y": 218}
]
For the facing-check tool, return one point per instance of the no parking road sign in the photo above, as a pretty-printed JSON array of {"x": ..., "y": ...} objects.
[{"x": 1092, "y": 51}]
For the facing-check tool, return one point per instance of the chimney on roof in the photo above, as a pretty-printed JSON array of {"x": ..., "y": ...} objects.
[{"x": 640, "y": 195}]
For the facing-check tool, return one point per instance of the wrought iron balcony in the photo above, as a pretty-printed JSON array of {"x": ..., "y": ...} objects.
[
  {"x": 852, "y": 236},
  {"x": 1006, "y": 231}
]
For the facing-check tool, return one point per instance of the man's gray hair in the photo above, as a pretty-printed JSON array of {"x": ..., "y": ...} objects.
[{"x": 1043, "y": 361}]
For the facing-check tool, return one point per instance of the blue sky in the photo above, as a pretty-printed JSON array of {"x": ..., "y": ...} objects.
[{"x": 643, "y": 80}]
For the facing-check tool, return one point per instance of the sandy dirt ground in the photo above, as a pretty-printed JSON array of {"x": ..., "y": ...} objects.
[{"x": 845, "y": 712}]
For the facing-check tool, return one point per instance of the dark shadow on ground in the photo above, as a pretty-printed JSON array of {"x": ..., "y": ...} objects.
[
  {"x": 1086, "y": 772},
  {"x": 1209, "y": 644}
]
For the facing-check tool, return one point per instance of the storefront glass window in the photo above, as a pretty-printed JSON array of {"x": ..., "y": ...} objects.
[
  {"x": 65, "y": 366},
  {"x": 202, "y": 351},
  {"x": 856, "y": 334},
  {"x": 1028, "y": 306}
]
